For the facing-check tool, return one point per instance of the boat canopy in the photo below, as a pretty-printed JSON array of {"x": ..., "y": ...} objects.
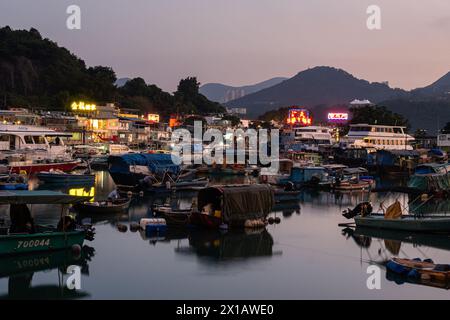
[
  {"x": 156, "y": 162},
  {"x": 239, "y": 202},
  {"x": 358, "y": 170},
  {"x": 39, "y": 197}
]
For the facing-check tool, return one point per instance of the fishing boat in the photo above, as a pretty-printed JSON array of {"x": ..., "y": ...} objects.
[
  {"x": 233, "y": 206},
  {"x": 308, "y": 177},
  {"x": 394, "y": 219},
  {"x": 173, "y": 217},
  {"x": 423, "y": 270},
  {"x": 279, "y": 170},
  {"x": 131, "y": 169},
  {"x": 60, "y": 177},
  {"x": 352, "y": 179},
  {"x": 283, "y": 195},
  {"x": 13, "y": 182},
  {"x": 22, "y": 236},
  {"x": 431, "y": 178},
  {"x": 113, "y": 206}
]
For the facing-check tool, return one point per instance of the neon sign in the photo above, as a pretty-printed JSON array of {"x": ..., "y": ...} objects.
[
  {"x": 300, "y": 117},
  {"x": 81, "y": 106},
  {"x": 153, "y": 117},
  {"x": 337, "y": 116}
]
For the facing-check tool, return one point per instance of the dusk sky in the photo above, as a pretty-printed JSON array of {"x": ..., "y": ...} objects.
[{"x": 241, "y": 42}]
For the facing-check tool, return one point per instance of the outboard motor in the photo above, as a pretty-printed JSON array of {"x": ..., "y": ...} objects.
[{"x": 363, "y": 209}]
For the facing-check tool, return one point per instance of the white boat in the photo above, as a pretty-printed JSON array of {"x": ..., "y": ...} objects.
[
  {"x": 380, "y": 137},
  {"x": 313, "y": 137},
  {"x": 34, "y": 149}
]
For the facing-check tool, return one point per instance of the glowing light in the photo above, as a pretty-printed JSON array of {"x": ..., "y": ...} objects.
[
  {"x": 81, "y": 106},
  {"x": 337, "y": 116},
  {"x": 153, "y": 117},
  {"x": 299, "y": 117}
]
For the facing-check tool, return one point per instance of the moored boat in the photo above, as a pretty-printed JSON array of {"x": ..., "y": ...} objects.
[
  {"x": 113, "y": 206},
  {"x": 22, "y": 236},
  {"x": 423, "y": 270},
  {"x": 233, "y": 206},
  {"x": 394, "y": 219},
  {"x": 55, "y": 176},
  {"x": 13, "y": 182}
]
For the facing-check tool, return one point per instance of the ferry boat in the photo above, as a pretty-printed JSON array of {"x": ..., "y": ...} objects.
[
  {"x": 312, "y": 137},
  {"x": 30, "y": 149},
  {"x": 380, "y": 137}
]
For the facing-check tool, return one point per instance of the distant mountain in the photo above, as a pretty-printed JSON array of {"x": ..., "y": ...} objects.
[
  {"x": 440, "y": 88},
  {"x": 121, "y": 82},
  {"x": 316, "y": 86},
  {"x": 223, "y": 93}
]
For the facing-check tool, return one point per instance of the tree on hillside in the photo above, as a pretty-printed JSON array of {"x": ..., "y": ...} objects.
[
  {"x": 190, "y": 100},
  {"x": 377, "y": 115},
  {"x": 446, "y": 129},
  {"x": 235, "y": 120}
]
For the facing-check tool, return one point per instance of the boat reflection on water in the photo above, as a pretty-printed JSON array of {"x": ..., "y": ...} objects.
[
  {"x": 20, "y": 271},
  {"x": 393, "y": 241},
  {"x": 227, "y": 245}
]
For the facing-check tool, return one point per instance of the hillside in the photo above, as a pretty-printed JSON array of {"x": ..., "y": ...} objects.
[
  {"x": 316, "y": 86},
  {"x": 440, "y": 88},
  {"x": 223, "y": 93},
  {"x": 37, "y": 73}
]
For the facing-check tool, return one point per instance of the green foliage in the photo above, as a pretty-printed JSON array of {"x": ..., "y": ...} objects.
[
  {"x": 235, "y": 120},
  {"x": 446, "y": 128},
  {"x": 279, "y": 115},
  {"x": 35, "y": 72},
  {"x": 377, "y": 115}
]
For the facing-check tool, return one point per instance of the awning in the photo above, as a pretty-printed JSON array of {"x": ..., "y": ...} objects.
[
  {"x": 39, "y": 197},
  {"x": 239, "y": 202}
]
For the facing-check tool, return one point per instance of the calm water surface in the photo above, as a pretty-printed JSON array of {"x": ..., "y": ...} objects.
[{"x": 306, "y": 256}]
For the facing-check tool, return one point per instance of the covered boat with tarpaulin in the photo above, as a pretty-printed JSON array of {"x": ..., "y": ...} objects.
[
  {"x": 130, "y": 169},
  {"x": 233, "y": 206},
  {"x": 23, "y": 236},
  {"x": 431, "y": 178}
]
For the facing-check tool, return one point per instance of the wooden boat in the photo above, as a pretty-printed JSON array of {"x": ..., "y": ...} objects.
[
  {"x": 423, "y": 270},
  {"x": 43, "y": 238},
  {"x": 350, "y": 179},
  {"x": 65, "y": 178},
  {"x": 282, "y": 195},
  {"x": 103, "y": 207},
  {"x": 405, "y": 222},
  {"x": 233, "y": 206}
]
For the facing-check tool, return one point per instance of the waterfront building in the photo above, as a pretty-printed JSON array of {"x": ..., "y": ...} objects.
[
  {"x": 356, "y": 103},
  {"x": 443, "y": 141}
]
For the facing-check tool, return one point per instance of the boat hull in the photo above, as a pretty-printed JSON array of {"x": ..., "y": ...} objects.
[
  {"x": 13, "y": 186},
  {"x": 89, "y": 208},
  {"x": 26, "y": 243},
  {"x": 65, "y": 178},
  {"x": 411, "y": 223},
  {"x": 40, "y": 167}
]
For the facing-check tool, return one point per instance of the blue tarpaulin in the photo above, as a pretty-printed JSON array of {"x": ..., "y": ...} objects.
[{"x": 156, "y": 163}]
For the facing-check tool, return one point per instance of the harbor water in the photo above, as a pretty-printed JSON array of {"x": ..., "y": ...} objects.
[{"x": 306, "y": 256}]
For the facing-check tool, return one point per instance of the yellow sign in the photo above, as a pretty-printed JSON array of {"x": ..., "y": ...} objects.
[
  {"x": 81, "y": 106},
  {"x": 153, "y": 117}
]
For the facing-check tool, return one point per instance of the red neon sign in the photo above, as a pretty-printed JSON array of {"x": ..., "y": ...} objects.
[{"x": 300, "y": 117}]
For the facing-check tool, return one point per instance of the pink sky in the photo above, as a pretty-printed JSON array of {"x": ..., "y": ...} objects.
[{"x": 246, "y": 41}]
